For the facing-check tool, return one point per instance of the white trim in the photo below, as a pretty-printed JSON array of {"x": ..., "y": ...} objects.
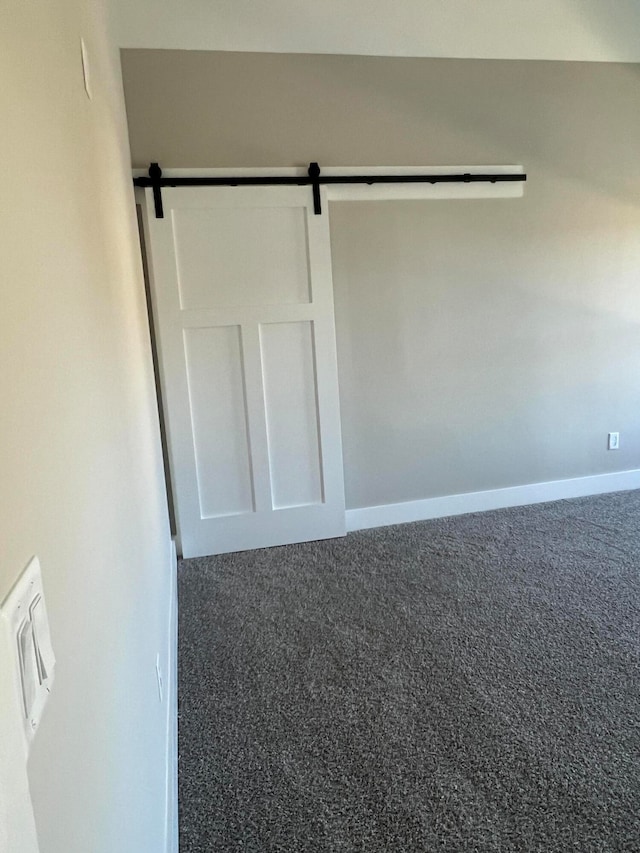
[
  {"x": 376, "y": 192},
  {"x": 423, "y": 192},
  {"x": 171, "y": 802},
  {"x": 532, "y": 493}
]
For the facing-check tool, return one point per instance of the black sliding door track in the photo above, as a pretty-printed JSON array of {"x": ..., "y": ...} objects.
[{"x": 314, "y": 179}]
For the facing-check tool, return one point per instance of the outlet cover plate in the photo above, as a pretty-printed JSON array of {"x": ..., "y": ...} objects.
[{"x": 24, "y": 615}]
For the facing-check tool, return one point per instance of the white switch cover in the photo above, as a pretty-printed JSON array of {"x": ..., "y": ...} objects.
[
  {"x": 44, "y": 652},
  {"x": 28, "y": 666},
  {"x": 24, "y": 615}
]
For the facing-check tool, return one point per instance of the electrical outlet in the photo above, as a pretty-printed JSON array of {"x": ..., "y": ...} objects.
[
  {"x": 614, "y": 441},
  {"x": 159, "y": 677}
]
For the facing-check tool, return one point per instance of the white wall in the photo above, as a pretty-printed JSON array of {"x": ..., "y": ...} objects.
[
  {"x": 595, "y": 30},
  {"x": 81, "y": 482}
]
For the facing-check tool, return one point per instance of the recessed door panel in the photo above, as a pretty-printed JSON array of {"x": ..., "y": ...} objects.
[
  {"x": 241, "y": 256},
  {"x": 218, "y": 414},
  {"x": 292, "y": 413}
]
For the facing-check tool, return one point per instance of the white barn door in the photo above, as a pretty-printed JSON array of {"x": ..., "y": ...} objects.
[{"x": 243, "y": 307}]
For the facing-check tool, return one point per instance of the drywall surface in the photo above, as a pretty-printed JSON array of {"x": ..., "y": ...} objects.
[
  {"x": 592, "y": 30},
  {"x": 481, "y": 343},
  {"x": 486, "y": 344},
  {"x": 81, "y": 481}
]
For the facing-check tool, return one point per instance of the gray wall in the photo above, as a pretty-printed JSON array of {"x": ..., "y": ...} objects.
[{"x": 481, "y": 343}]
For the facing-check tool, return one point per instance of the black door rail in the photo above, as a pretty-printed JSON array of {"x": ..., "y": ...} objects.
[{"x": 314, "y": 179}]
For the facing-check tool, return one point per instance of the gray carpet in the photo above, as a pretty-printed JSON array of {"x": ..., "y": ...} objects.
[{"x": 467, "y": 684}]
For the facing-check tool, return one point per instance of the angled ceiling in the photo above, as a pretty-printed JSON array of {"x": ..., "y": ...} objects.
[{"x": 589, "y": 30}]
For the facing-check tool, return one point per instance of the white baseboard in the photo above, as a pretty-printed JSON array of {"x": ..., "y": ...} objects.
[
  {"x": 171, "y": 825},
  {"x": 532, "y": 493}
]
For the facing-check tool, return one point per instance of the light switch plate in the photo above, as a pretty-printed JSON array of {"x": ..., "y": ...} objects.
[{"x": 24, "y": 616}]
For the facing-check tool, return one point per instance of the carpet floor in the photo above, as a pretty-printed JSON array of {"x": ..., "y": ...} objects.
[{"x": 465, "y": 684}]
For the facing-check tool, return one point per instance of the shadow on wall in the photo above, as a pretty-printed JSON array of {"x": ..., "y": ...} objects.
[{"x": 573, "y": 120}]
